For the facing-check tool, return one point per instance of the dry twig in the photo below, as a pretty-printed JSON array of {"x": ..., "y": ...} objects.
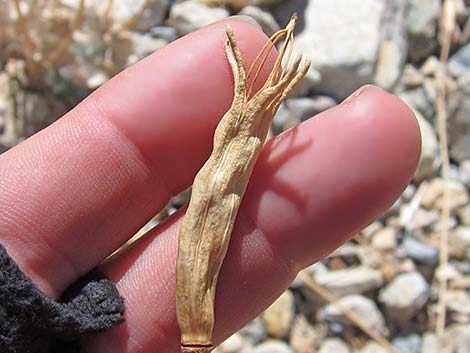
[
  {"x": 65, "y": 43},
  {"x": 447, "y": 25},
  {"x": 409, "y": 210},
  {"x": 31, "y": 50},
  {"x": 21, "y": 28},
  {"x": 351, "y": 315},
  {"x": 129, "y": 23}
]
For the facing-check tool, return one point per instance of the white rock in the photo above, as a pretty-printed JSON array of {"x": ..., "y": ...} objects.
[
  {"x": 430, "y": 88},
  {"x": 421, "y": 18},
  {"x": 334, "y": 345},
  {"x": 447, "y": 272},
  {"x": 418, "y": 99},
  {"x": 458, "y": 125},
  {"x": 464, "y": 172},
  {"x": 97, "y": 79},
  {"x": 233, "y": 344},
  {"x": 458, "y": 301},
  {"x": 464, "y": 82},
  {"x": 423, "y": 218},
  {"x": 356, "y": 25},
  {"x": 430, "y": 66},
  {"x": 279, "y": 317},
  {"x": 373, "y": 347},
  {"x": 143, "y": 45},
  {"x": 459, "y": 244},
  {"x": 305, "y": 108},
  {"x": 385, "y": 239},
  {"x": 371, "y": 229},
  {"x": 361, "y": 306},
  {"x": 166, "y": 33},
  {"x": 429, "y": 149},
  {"x": 420, "y": 252},
  {"x": 4, "y": 86},
  {"x": 459, "y": 63},
  {"x": 129, "y": 47},
  {"x": 461, "y": 336},
  {"x": 273, "y": 346},
  {"x": 350, "y": 281},
  {"x": 408, "y": 344},
  {"x": 309, "y": 271},
  {"x": 433, "y": 197},
  {"x": 388, "y": 65},
  {"x": 295, "y": 110},
  {"x": 189, "y": 16},
  {"x": 9, "y": 132},
  {"x": 405, "y": 296},
  {"x": 304, "y": 337},
  {"x": 464, "y": 215},
  {"x": 411, "y": 76},
  {"x": 264, "y": 18},
  {"x": 254, "y": 331},
  {"x": 153, "y": 15},
  {"x": 431, "y": 344}
]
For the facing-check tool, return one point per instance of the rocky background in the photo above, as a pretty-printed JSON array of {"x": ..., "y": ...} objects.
[{"x": 377, "y": 293}]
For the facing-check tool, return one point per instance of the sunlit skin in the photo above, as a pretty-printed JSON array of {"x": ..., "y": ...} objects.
[{"x": 76, "y": 191}]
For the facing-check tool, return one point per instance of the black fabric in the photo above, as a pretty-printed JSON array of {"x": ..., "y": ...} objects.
[{"x": 31, "y": 322}]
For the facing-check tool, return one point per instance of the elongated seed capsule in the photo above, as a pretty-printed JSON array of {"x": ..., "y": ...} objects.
[{"x": 220, "y": 184}]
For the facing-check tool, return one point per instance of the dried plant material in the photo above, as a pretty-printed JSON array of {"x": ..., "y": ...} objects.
[
  {"x": 67, "y": 40},
  {"x": 45, "y": 30},
  {"x": 37, "y": 55},
  {"x": 131, "y": 21},
  {"x": 446, "y": 28},
  {"x": 351, "y": 315},
  {"x": 220, "y": 184}
]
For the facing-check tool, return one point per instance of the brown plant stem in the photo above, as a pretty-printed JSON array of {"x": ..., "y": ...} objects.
[
  {"x": 65, "y": 42},
  {"x": 21, "y": 28},
  {"x": 326, "y": 295},
  {"x": 130, "y": 22},
  {"x": 447, "y": 24}
]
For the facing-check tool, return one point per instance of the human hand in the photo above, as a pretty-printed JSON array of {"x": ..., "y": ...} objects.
[{"x": 75, "y": 192}]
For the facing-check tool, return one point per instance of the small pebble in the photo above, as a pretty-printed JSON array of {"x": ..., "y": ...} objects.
[
  {"x": 408, "y": 344},
  {"x": 334, "y": 345},
  {"x": 404, "y": 296},
  {"x": 279, "y": 317}
]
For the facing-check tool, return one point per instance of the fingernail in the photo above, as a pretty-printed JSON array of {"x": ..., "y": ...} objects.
[
  {"x": 358, "y": 92},
  {"x": 244, "y": 18}
]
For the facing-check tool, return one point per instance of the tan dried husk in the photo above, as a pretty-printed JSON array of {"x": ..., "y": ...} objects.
[{"x": 220, "y": 184}]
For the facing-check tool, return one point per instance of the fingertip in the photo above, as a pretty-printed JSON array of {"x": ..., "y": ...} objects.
[
  {"x": 386, "y": 138},
  {"x": 392, "y": 120}
]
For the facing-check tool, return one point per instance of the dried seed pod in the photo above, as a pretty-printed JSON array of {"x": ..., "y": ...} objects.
[{"x": 220, "y": 184}]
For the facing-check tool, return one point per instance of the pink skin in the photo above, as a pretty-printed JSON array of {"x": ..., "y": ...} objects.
[{"x": 74, "y": 192}]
